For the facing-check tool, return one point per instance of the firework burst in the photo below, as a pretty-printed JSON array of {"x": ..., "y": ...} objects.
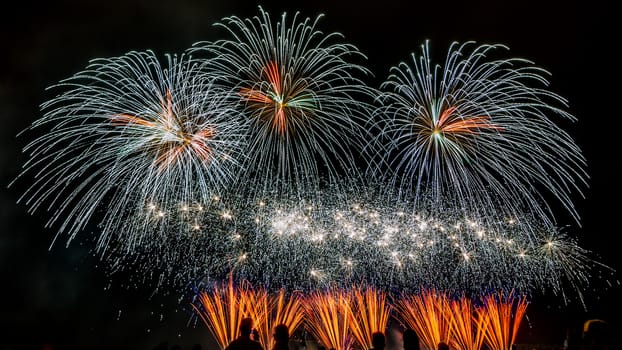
[
  {"x": 275, "y": 120},
  {"x": 359, "y": 237},
  {"x": 477, "y": 131},
  {"x": 129, "y": 132},
  {"x": 300, "y": 89}
]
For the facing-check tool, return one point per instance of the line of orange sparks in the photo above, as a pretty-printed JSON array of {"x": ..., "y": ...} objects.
[{"x": 341, "y": 319}]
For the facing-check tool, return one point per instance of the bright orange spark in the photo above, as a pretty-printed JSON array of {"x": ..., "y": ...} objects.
[
  {"x": 198, "y": 142},
  {"x": 255, "y": 96},
  {"x": 274, "y": 76},
  {"x": 127, "y": 119}
]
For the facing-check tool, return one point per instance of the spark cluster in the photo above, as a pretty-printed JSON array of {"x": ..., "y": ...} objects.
[{"x": 358, "y": 237}]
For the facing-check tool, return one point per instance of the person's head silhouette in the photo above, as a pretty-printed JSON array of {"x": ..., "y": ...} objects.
[
  {"x": 378, "y": 341},
  {"x": 246, "y": 326},
  {"x": 281, "y": 333}
]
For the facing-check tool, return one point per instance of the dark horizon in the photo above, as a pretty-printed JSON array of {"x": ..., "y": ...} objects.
[{"x": 64, "y": 298}]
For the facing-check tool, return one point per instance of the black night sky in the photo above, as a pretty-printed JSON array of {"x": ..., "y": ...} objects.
[{"x": 61, "y": 299}]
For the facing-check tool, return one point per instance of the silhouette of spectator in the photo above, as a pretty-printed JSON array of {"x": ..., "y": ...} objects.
[
  {"x": 597, "y": 335},
  {"x": 176, "y": 347},
  {"x": 411, "y": 339},
  {"x": 244, "y": 341},
  {"x": 281, "y": 337},
  {"x": 443, "y": 346},
  {"x": 378, "y": 341},
  {"x": 197, "y": 347}
]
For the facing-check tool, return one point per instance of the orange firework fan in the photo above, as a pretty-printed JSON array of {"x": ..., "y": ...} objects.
[
  {"x": 429, "y": 314},
  {"x": 329, "y": 318},
  {"x": 222, "y": 309},
  {"x": 284, "y": 309},
  {"x": 370, "y": 313},
  {"x": 467, "y": 330},
  {"x": 502, "y": 314}
]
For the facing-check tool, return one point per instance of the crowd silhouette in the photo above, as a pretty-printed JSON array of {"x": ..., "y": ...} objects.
[{"x": 594, "y": 334}]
